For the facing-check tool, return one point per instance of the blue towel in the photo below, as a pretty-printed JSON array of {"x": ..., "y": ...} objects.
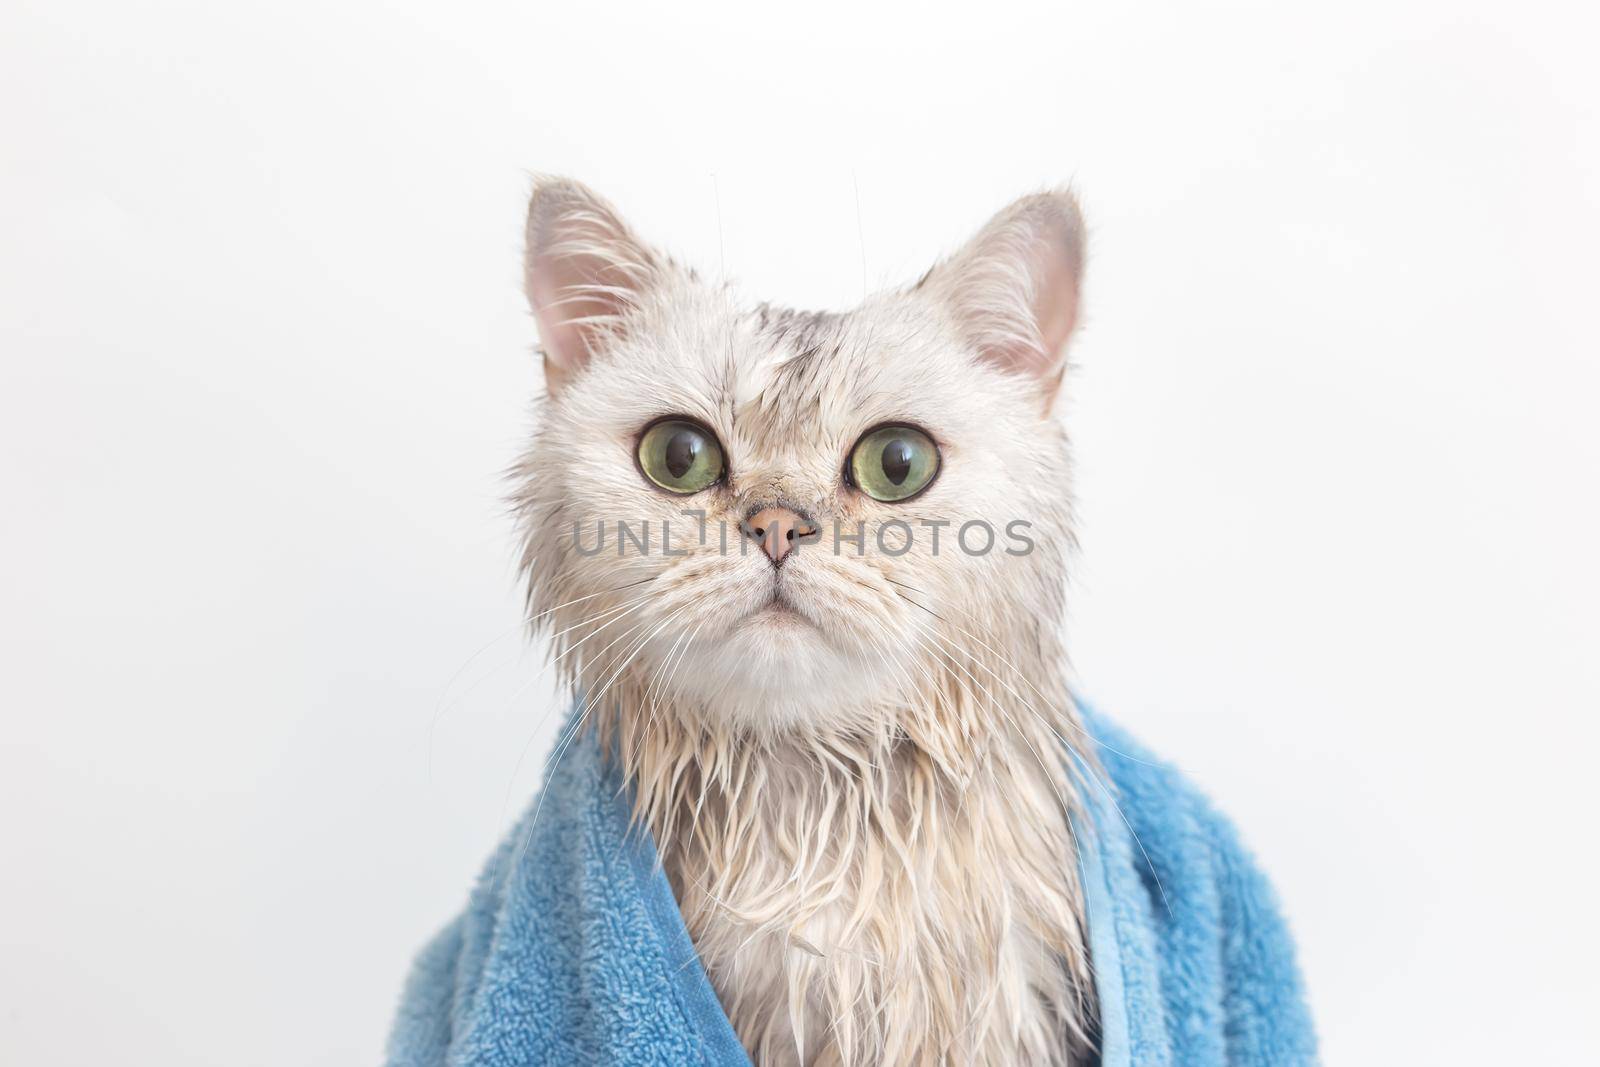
[{"x": 572, "y": 950}]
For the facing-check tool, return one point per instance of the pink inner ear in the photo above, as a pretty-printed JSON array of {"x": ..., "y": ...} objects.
[
  {"x": 1036, "y": 347},
  {"x": 1055, "y": 300},
  {"x": 585, "y": 270},
  {"x": 1014, "y": 287},
  {"x": 556, "y": 289}
]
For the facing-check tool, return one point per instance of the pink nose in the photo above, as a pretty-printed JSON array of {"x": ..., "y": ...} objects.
[{"x": 778, "y": 531}]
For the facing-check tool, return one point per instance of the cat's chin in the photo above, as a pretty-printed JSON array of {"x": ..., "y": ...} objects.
[
  {"x": 775, "y": 674},
  {"x": 780, "y": 618}
]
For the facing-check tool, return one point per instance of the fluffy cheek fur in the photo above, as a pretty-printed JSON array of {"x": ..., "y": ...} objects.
[{"x": 686, "y": 611}]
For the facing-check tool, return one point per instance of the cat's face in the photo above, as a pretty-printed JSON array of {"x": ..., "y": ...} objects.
[{"x": 954, "y": 510}]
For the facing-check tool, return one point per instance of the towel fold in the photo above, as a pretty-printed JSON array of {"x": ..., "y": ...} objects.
[{"x": 571, "y": 949}]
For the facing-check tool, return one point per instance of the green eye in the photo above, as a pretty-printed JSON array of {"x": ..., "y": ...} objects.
[
  {"x": 894, "y": 463},
  {"x": 680, "y": 456}
]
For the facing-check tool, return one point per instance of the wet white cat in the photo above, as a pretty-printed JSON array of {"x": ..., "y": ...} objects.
[{"x": 847, "y": 722}]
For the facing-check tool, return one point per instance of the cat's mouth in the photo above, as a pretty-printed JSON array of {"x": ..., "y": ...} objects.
[{"x": 779, "y": 608}]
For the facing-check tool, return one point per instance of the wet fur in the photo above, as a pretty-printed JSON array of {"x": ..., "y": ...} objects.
[{"x": 863, "y": 810}]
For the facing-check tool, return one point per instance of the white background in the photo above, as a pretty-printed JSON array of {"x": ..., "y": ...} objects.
[{"x": 265, "y": 356}]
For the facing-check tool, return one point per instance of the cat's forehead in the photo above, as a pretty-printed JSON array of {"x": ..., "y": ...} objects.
[
  {"x": 795, "y": 371},
  {"x": 783, "y": 377}
]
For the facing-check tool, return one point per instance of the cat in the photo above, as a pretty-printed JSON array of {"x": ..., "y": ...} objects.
[{"x": 848, "y": 735}]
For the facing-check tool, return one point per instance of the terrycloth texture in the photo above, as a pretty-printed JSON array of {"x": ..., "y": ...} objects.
[
  {"x": 1193, "y": 962},
  {"x": 572, "y": 950}
]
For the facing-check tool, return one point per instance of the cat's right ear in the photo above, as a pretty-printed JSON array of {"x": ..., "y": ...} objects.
[{"x": 584, "y": 271}]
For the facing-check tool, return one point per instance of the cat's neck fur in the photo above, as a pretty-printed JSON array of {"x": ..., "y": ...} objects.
[{"x": 905, "y": 893}]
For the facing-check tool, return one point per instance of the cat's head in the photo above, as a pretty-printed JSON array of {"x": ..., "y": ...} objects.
[{"x": 855, "y": 500}]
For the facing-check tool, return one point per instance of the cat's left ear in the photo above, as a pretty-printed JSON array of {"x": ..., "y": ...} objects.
[
  {"x": 584, "y": 272},
  {"x": 1014, "y": 288}
]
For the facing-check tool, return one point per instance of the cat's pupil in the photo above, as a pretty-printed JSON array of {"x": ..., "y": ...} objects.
[
  {"x": 897, "y": 461},
  {"x": 682, "y": 448}
]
